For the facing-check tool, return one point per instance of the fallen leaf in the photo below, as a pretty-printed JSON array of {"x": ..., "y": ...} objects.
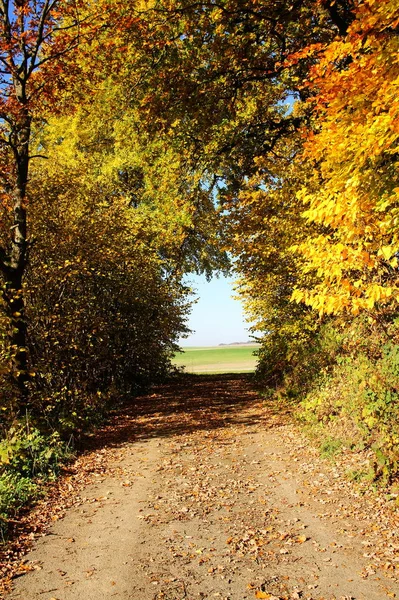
[{"x": 301, "y": 539}]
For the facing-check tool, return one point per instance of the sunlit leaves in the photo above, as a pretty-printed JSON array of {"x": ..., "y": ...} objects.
[{"x": 353, "y": 193}]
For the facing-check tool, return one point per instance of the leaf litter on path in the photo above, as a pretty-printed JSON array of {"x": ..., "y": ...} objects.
[{"x": 204, "y": 490}]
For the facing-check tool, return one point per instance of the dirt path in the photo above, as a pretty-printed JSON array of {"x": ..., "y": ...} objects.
[{"x": 208, "y": 493}]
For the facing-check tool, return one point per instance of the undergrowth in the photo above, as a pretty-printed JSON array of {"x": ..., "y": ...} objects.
[
  {"x": 28, "y": 459},
  {"x": 350, "y": 398}
]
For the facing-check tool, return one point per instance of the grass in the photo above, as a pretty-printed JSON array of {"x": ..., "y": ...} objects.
[{"x": 218, "y": 359}]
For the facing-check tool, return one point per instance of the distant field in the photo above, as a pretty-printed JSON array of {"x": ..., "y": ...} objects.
[{"x": 218, "y": 359}]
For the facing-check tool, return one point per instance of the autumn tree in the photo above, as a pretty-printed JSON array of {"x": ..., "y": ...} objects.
[
  {"x": 35, "y": 36},
  {"x": 264, "y": 221},
  {"x": 227, "y": 76},
  {"x": 63, "y": 58},
  {"x": 217, "y": 74},
  {"x": 105, "y": 317},
  {"x": 119, "y": 216},
  {"x": 351, "y": 146}
]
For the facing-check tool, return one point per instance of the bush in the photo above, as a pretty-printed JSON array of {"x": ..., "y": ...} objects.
[
  {"x": 293, "y": 358},
  {"x": 358, "y": 401},
  {"x": 15, "y": 492},
  {"x": 28, "y": 458},
  {"x": 27, "y": 452}
]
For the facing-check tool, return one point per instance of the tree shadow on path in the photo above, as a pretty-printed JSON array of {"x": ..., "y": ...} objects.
[{"x": 187, "y": 404}]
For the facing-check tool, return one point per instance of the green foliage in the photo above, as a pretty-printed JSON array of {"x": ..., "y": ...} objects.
[
  {"x": 358, "y": 401},
  {"x": 28, "y": 452},
  {"x": 330, "y": 447},
  {"x": 28, "y": 458},
  {"x": 15, "y": 492},
  {"x": 107, "y": 307},
  {"x": 105, "y": 319},
  {"x": 295, "y": 356}
]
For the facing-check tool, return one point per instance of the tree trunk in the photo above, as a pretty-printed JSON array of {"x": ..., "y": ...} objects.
[
  {"x": 14, "y": 264},
  {"x": 15, "y": 304}
]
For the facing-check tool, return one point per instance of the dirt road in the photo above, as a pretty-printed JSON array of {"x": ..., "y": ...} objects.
[{"x": 208, "y": 492}]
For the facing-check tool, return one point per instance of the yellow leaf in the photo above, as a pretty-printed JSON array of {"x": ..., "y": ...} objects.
[
  {"x": 260, "y": 594},
  {"x": 387, "y": 252}
]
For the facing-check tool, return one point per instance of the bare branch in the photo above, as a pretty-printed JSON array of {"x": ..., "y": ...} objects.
[{"x": 39, "y": 37}]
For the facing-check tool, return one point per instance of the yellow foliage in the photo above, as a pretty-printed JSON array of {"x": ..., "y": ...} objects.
[{"x": 353, "y": 192}]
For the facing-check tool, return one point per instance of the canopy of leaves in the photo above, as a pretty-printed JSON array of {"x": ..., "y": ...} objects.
[
  {"x": 140, "y": 142},
  {"x": 352, "y": 147}
]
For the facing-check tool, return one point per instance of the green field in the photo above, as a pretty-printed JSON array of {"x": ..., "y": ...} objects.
[{"x": 218, "y": 359}]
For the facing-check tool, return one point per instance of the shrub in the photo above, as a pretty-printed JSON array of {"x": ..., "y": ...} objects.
[
  {"x": 15, "y": 492},
  {"x": 28, "y": 458},
  {"x": 358, "y": 401},
  {"x": 294, "y": 358},
  {"x": 27, "y": 452}
]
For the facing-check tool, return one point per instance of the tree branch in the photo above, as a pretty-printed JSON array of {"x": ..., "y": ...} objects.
[
  {"x": 340, "y": 22},
  {"x": 38, "y": 156}
]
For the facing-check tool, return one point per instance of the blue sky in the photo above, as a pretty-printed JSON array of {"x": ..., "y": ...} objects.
[{"x": 216, "y": 318}]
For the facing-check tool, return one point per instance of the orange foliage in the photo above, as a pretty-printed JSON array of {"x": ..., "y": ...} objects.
[{"x": 353, "y": 194}]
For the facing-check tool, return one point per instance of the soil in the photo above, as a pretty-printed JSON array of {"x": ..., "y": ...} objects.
[{"x": 203, "y": 490}]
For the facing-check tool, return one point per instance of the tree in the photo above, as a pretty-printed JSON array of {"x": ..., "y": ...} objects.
[
  {"x": 119, "y": 217},
  {"x": 225, "y": 79},
  {"x": 264, "y": 221},
  {"x": 35, "y": 36},
  {"x": 351, "y": 147},
  {"x": 105, "y": 317}
]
